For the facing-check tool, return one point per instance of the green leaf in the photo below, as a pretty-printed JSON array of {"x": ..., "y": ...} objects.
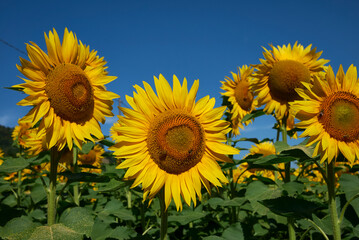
[
  {"x": 38, "y": 193},
  {"x": 38, "y": 214},
  {"x": 253, "y": 114},
  {"x": 259, "y": 230},
  {"x": 274, "y": 159},
  {"x": 55, "y": 232},
  {"x": 356, "y": 231},
  {"x": 293, "y": 188},
  {"x": 234, "y": 232},
  {"x": 213, "y": 238},
  {"x": 11, "y": 165},
  {"x": 101, "y": 230},
  {"x": 214, "y": 202},
  {"x": 116, "y": 208},
  {"x": 79, "y": 219},
  {"x": 112, "y": 185},
  {"x": 257, "y": 191},
  {"x": 87, "y": 147},
  {"x": 291, "y": 207},
  {"x": 19, "y": 228},
  {"x": 350, "y": 185},
  {"x": 123, "y": 232},
  {"x": 186, "y": 217},
  {"x": 84, "y": 177},
  {"x": 107, "y": 142},
  {"x": 325, "y": 224}
]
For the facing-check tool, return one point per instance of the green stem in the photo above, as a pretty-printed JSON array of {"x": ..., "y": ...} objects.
[
  {"x": 51, "y": 200},
  {"x": 76, "y": 186},
  {"x": 129, "y": 199},
  {"x": 143, "y": 220},
  {"x": 290, "y": 220},
  {"x": 164, "y": 215},
  {"x": 18, "y": 188},
  {"x": 346, "y": 206},
  {"x": 232, "y": 195},
  {"x": 319, "y": 229},
  {"x": 332, "y": 203}
]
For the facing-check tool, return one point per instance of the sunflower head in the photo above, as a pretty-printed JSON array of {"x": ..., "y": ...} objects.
[
  {"x": 240, "y": 96},
  {"x": 282, "y": 71},
  {"x": 30, "y": 138},
  {"x": 66, "y": 90},
  {"x": 330, "y": 112},
  {"x": 93, "y": 157},
  {"x": 171, "y": 141}
]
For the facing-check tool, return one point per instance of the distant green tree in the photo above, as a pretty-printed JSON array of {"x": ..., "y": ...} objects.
[{"x": 6, "y": 142}]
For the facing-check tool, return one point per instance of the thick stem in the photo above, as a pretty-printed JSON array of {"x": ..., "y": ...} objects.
[
  {"x": 290, "y": 220},
  {"x": 18, "y": 188},
  {"x": 332, "y": 203},
  {"x": 164, "y": 215},
  {"x": 76, "y": 186},
  {"x": 51, "y": 199}
]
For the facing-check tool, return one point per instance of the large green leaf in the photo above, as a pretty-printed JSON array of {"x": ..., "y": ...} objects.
[
  {"x": 79, "y": 219},
  {"x": 38, "y": 193},
  {"x": 84, "y": 177},
  {"x": 55, "y": 232},
  {"x": 19, "y": 228},
  {"x": 186, "y": 217},
  {"x": 103, "y": 231},
  {"x": 87, "y": 147},
  {"x": 112, "y": 185},
  {"x": 235, "y": 202},
  {"x": 293, "y": 188},
  {"x": 253, "y": 114},
  {"x": 115, "y": 208},
  {"x": 325, "y": 224},
  {"x": 234, "y": 232},
  {"x": 107, "y": 142},
  {"x": 11, "y": 165},
  {"x": 291, "y": 207},
  {"x": 257, "y": 191},
  {"x": 350, "y": 185}
]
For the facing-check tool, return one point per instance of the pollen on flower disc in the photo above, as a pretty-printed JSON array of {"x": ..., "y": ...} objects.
[
  {"x": 340, "y": 116},
  {"x": 70, "y": 93},
  {"x": 176, "y": 142},
  {"x": 285, "y": 76}
]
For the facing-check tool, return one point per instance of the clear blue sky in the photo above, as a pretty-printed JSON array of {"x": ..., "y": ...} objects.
[{"x": 203, "y": 40}]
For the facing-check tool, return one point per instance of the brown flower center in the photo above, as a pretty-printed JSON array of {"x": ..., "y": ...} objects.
[
  {"x": 70, "y": 93},
  {"x": 89, "y": 158},
  {"x": 243, "y": 95},
  {"x": 285, "y": 77},
  {"x": 340, "y": 116},
  {"x": 176, "y": 141}
]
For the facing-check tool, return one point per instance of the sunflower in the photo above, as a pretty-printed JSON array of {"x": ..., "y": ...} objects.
[
  {"x": 1, "y": 155},
  {"x": 284, "y": 69},
  {"x": 94, "y": 158},
  {"x": 329, "y": 112},
  {"x": 171, "y": 142},
  {"x": 30, "y": 138},
  {"x": 240, "y": 96},
  {"x": 66, "y": 89},
  {"x": 265, "y": 149}
]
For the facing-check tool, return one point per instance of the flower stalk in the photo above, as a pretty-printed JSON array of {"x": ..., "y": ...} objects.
[
  {"x": 76, "y": 186},
  {"x": 164, "y": 215},
  {"x": 290, "y": 220},
  {"x": 51, "y": 197},
  {"x": 332, "y": 203}
]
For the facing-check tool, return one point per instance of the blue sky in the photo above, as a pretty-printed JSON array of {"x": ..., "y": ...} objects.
[{"x": 203, "y": 40}]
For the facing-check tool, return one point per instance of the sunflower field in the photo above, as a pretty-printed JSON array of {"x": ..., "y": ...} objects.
[{"x": 170, "y": 168}]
